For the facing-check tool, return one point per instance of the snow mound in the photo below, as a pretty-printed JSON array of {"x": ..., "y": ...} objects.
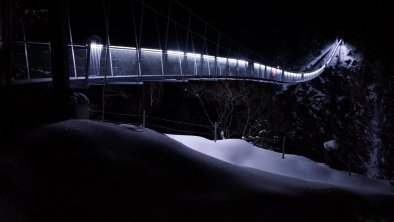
[
  {"x": 81, "y": 170},
  {"x": 242, "y": 153}
]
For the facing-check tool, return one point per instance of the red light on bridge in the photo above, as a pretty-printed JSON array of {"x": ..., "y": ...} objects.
[{"x": 273, "y": 73}]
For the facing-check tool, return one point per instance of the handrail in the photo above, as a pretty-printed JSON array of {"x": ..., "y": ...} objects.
[{"x": 187, "y": 66}]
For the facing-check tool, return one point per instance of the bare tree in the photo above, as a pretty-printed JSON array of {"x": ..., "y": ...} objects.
[
  {"x": 226, "y": 100},
  {"x": 235, "y": 105},
  {"x": 198, "y": 90}
]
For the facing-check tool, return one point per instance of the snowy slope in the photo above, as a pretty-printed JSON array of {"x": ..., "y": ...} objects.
[
  {"x": 81, "y": 170},
  {"x": 346, "y": 56},
  {"x": 241, "y": 153}
]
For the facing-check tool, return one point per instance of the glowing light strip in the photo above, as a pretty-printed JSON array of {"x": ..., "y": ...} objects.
[
  {"x": 93, "y": 45},
  {"x": 242, "y": 62},
  {"x": 122, "y": 47},
  {"x": 170, "y": 52},
  {"x": 195, "y": 55},
  {"x": 208, "y": 57},
  {"x": 221, "y": 59},
  {"x": 271, "y": 71},
  {"x": 232, "y": 60},
  {"x": 151, "y": 50}
]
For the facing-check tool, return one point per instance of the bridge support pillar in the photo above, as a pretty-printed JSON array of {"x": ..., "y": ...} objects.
[{"x": 60, "y": 75}]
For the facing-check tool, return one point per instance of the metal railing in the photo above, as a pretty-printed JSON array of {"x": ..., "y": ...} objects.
[{"x": 31, "y": 62}]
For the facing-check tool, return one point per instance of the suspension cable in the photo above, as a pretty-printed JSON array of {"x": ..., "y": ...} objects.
[
  {"x": 137, "y": 44},
  {"x": 141, "y": 22},
  {"x": 176, "y": 37},
  {"x": 213, "y": 27},
  {"x": 191, "y": 37},
  {"x": 158, "y": 30},
  {"x": 71, "y": 39},
  {"x": 205, "y": 47},
  {"x": 134, "y": 24},
  {"x": 218, "y": 45},
  {"x": 106, "y": 17},
  {"x": 168, "y": 23},
  {"x": 180, "y": 25},
  {"x": 188, "y": 31},
  {"x": 142, "y": 2}
]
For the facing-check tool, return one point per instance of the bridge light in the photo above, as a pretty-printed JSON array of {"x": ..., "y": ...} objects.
[
  {"x": 122, "y": 47},
  {"x": 194, "y": 55},
  {"x": 221, "y": 59},
  {"x": 151, "y": 50},
  {"x": 242, "y": 62},
  {"x": 232, "y": 61},
  {"x": 170, "y": 52},
  {"x": 95, "y": 46},
  {"x": 208, "y": 57}
]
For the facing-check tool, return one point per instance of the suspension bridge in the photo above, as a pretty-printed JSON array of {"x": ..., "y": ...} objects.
[{"x": 95, "y": 61}]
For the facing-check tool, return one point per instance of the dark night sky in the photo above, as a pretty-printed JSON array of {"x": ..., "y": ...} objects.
[{"x": 250, "y": 22}]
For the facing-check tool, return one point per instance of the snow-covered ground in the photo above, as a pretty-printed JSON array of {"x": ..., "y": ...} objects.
[
  {"x": 346, "y": 56},
  {"x": 242, "y": 153},
  {"x": 81, "y": 170}
]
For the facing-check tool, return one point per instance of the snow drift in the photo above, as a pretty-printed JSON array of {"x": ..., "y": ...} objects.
[
  {"x": 242, "y": 153},
  {"x": 89, "y": 171}
]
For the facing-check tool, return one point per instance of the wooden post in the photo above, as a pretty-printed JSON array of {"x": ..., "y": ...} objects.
[
  {"x": 283, "y": 147},
  {"x": 216, "y": 131},
  {"x": 350, "y": 164},
  {"x": 59, "y": 35},
  {"x": 143, "y": 118}
]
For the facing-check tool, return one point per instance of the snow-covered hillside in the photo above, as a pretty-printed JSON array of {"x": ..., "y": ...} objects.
[
  {"x": 81, "y": 170},
  {"x": 241, "y": 153}
]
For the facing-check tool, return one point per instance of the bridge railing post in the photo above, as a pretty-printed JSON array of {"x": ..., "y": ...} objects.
[
  {"x": 25, "y": 51},
  {"x": 216, "y": 67},
  {"x": 237, "y": 68},
  {"x": 283, "y": 147},
  {"x": 265, "y": 72},
  {"x": 180, "y": 65},
  {"x": 184, "y": 64},
  {"x": 164, "y": 58},
  {"x": 201, "y": 65},
  {"x": 215, "y": 131},
  {"x": 138, "y": 53}
]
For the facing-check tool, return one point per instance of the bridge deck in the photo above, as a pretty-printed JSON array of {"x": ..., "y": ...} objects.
[{"x": 131, "y": 65}]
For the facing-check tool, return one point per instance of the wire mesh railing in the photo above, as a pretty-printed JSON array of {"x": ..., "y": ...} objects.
[{"x": 32, "y": 62}]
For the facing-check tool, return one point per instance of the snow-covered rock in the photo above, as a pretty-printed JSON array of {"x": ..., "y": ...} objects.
[{"x": 331, "y": 145}]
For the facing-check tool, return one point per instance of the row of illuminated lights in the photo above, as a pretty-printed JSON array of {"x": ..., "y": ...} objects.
[
  {"x": 196, "y": 55},
  {"x": 272, "y": 70},
  {"x": 99, "y": 47}
]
